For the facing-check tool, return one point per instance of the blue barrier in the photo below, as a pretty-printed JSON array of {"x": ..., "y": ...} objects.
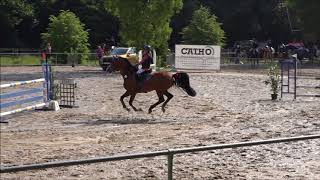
[
  {"x": 19, "y": 102},
  {"x": 19, "y": 93},
  {"x": 33, "y": 93}
]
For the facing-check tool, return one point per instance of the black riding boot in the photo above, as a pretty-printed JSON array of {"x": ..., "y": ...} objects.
[{"x": 139, "y": 80}]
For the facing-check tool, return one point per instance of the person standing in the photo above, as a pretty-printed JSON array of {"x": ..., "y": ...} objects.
[
  {"x": 100, "y": 52},
  {"x": 237, "y": 54},
  {"x": 48, "y": 51}
]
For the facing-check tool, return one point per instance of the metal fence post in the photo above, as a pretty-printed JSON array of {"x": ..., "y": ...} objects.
[
  {"x": 295, "y": 78},
  {"x": 170, "y": 165},
  {"x": 282, "y": 69}
]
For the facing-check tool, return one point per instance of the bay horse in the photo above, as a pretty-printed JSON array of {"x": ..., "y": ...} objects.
[{"x": 157, "y": 81}]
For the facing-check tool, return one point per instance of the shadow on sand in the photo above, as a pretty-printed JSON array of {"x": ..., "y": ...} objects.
[{"x": 116, "y": 121}]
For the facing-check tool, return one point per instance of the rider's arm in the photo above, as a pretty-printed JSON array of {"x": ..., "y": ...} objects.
[{"x": 144, "y": 58}]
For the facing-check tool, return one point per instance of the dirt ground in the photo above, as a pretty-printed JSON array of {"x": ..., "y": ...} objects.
[{"x": 230, "y": 106}]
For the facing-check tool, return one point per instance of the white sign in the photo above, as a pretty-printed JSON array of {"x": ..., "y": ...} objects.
[{"x": 197, "y": 57}]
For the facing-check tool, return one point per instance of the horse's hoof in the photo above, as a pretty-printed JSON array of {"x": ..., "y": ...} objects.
[
  {"x": 149, "y": 111},
  {"x": 127, "y": 109},
  {"x": 138, "y": 109},
  {"x": 163, "y": 110}
]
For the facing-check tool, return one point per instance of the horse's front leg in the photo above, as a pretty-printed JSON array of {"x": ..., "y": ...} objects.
[
  {"x": 126, "y": 94},
  {"x": 130, "y": 102}
]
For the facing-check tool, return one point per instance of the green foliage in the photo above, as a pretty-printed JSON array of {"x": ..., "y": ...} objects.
[
  {"x": 19, "y": 60},
  {"x": 308, "y": 13},
  {"x": 273, "y": 78},
  {"x": 145, "y": 21},
  {"x": 203, "y": 29},
  {"x": 15, "y": 10},
  {"x": 247, "y": 19},
  {"x": 12, "y": 14},
  {"x": 67, "y": 34},
  {"x": 92, "y": 13},
  {"x": 23, "y": 60},
  {"x": 21, "y": 21},
  {"x": 181, "y": 20}
]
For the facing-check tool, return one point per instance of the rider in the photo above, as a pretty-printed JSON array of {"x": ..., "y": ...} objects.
[{"x": 145, "y": 62}]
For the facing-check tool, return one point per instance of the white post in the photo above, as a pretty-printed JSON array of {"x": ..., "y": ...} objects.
[{"x": 154, "y": 56}]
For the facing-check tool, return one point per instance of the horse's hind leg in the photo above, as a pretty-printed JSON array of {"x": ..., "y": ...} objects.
[
  {"x": 169, "y": 97},
  {"x": 126, "y": 94},
  {"x": 161, "y": 99},
  {"x": 130, "y": 102}
]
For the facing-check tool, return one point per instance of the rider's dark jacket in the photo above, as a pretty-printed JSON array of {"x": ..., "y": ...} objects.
[{"x": 146, "y": 61}]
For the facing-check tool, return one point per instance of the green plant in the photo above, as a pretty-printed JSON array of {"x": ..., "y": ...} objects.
[
  {"x": 203, "y": 29},
  {"x": 147, "y": 25},
  {"x": 67, "y": 34},
  {"x": 273, "y": 78}
]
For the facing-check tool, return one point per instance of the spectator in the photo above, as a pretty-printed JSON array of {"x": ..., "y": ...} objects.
[
  {"x": 113, "y": 41},
  {"x": 104, "y": 48},
  {"x": 43, "y": 56},
  {"x": 238, "y": 54},
  {"x": 48, "y": 51},
  {"x": 100, "y": 52},
  {"x": 314, "y": 50}
]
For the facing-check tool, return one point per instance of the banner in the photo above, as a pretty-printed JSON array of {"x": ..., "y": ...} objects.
[{"x": 196, "y": 57}]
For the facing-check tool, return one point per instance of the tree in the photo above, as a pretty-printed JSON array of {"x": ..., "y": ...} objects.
[
  {"x": 247, "y": 19},
  {"x": 100, "y": 23},
  {"x": 181, "y": 20},
  {"x": 67, "y": 34},
  {"x": 308, "y": 13},
  {"x": 29, "y": 18},
  {"x": 203, "y": 29},
  {"x": 12, "y": 14},
  {"x": 145, "y": 21}
]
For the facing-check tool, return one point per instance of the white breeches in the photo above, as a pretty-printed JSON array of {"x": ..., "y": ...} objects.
[{"x": 140, "y": 71}]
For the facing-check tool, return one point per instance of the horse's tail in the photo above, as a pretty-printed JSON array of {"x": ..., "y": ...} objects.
[{"x": 181, "y": 80}]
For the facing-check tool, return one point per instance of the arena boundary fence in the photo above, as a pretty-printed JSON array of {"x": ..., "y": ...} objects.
[
  {"x": 46, "y": 95},
  {"x": 287, "y": 66},
  {"x": 169, "y": 153}
]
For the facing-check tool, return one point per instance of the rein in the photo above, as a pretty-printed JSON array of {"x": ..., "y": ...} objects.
[{"x": 129, "y": 70}]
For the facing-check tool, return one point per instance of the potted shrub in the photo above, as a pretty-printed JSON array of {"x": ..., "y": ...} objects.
[{"x": 273, "y": 80}]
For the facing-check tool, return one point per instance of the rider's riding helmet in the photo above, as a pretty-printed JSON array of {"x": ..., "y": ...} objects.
[{"x": 147, "y": 47}]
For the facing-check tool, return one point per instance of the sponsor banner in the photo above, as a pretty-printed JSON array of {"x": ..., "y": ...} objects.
[{"x": 197, "y": 57}]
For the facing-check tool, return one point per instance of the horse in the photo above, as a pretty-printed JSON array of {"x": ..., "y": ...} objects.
[{"x": 156, "y": 81}]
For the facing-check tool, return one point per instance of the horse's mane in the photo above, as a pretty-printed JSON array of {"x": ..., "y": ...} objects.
[{"x": 131, "y": 68}]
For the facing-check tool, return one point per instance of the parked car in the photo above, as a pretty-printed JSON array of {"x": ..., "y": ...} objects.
[{"x": 124, "y": 52}]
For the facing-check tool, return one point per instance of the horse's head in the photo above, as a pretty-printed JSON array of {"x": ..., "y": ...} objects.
[{"x": 119, "y": 63}]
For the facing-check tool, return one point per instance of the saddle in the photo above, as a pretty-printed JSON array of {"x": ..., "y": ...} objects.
[{"x": 142, "y": 77}]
